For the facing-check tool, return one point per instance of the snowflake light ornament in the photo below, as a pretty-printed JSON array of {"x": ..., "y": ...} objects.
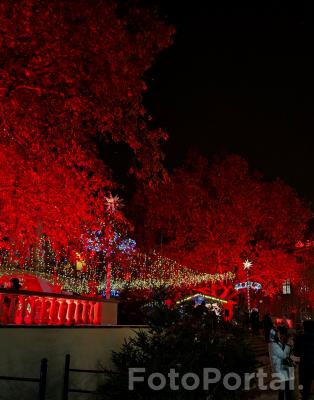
[
  {"x": 247, "y": 264},
  {"x": 114, "y": 203}
]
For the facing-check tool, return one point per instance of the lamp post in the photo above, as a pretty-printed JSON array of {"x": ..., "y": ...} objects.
[
  {"x": 108, "y": 281},
  {"x": 113, "y": 203},
  {"x": 247, "y": 265}
]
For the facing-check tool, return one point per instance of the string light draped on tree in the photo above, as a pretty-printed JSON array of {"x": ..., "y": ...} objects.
[
  {"x": 152, "y": 271},
  {"x": 140, "y": 272}
]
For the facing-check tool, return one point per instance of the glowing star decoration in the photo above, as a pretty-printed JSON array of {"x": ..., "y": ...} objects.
[
  {"x": 247, "y": 265},
  {"x": 114, "y": 203}
]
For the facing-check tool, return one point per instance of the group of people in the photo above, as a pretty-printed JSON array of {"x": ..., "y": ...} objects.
[
  {"x": 289, "y": 352},
  {"x": 202, "y": 312}
]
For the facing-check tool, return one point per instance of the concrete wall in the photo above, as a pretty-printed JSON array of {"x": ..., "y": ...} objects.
[{"x": 22, "y": 348}]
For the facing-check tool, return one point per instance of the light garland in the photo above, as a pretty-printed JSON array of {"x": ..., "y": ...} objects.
[
  {"x": 247, "y": 265},
  {"x": 143, "y": 272},
  {"x": 248, "y": 284},
  {"x": 204, "y": 296},
  {"x": 147, "y": 272}
]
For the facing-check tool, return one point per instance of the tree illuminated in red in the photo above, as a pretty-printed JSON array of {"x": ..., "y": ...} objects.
[
  {"x": 214, "y": 217},
  {"x": 71, "y": 75}
]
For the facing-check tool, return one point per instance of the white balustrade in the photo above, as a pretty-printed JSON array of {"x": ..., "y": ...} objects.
[{"x": 34, "y": 308}]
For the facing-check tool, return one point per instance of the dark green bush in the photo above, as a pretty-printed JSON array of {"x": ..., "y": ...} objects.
[{"x": 186, "y": 343}]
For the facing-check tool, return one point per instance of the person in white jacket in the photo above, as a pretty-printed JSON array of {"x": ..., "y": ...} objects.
[{"x": 279, "y": 352}]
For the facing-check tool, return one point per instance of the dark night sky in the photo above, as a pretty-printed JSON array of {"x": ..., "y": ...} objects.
[{"x": 238, "y": 79}]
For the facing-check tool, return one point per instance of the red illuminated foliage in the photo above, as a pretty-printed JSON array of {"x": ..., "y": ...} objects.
[
  {"x": 73, "y": 68},
  {"x": 71, "y": 75},
  {"x": 214, "y": 217},
  {"x": 49, "y": 193}
]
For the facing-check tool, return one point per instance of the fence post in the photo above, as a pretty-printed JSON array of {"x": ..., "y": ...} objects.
[
  {"x": 42, "y": 379},
  {"x": 66, "y": 378}
]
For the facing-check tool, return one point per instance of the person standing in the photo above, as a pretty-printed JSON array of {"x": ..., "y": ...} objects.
[
  {"x": 304, "y": 349},
  {"x": 255, "y": 321},
  {"x": 201, "y": 310},
  {"x": 279, "y": 353},
  {"x": 267, "y": 325},
  {"x": 15, "y": 284}
]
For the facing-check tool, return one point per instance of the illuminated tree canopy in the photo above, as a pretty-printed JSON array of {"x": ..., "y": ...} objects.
[
  {"x": 213, "y": 217},
  {"x": 71, "y": 76}
]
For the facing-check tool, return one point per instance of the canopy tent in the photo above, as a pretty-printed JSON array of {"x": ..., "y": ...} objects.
[{"x": 28, "y": 282}]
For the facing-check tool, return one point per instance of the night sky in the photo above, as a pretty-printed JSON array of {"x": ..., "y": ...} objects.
[{"x": 238, "y": 79}]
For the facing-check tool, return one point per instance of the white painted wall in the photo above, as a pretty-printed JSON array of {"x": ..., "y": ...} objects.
[{"x": 22, "y": 348}]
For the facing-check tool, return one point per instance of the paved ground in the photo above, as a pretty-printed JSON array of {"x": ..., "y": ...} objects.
[
  {"x": 267, "y": 396},
  {"x": 273, "y": 396}
]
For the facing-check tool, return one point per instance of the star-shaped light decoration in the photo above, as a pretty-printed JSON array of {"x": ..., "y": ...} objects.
[
  {"x": 247, "y": 264},
  {"x": 114, "y": 203}
]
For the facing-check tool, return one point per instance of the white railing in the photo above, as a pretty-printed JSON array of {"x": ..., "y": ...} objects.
[{"x": 36, "y": 308}]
